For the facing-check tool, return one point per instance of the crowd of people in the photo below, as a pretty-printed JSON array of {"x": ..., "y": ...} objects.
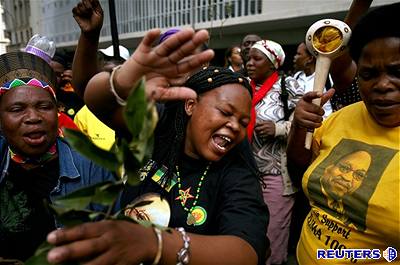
[{"x": 229, "y": 159}]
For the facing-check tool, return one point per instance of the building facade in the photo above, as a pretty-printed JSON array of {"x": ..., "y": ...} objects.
[
  {"x": 4, "y": 40},
  {"x": 285, "y": 21},
  {"x": 16, "y": 15}
]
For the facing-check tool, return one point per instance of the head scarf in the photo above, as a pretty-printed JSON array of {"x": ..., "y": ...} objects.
[
  {"x": 272, "y": 50},
  {"x": 22, "y": 68},
  {"x": 276, "y": 56}
]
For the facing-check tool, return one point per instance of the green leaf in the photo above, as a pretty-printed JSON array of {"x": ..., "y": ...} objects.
[
  {"x": 40, "y": 256},
  {"x": 131, "y": 164},
  {"x": 79, "y": 199},
  {"x": 142, "y": 145},
  {"x": 104, "y": 193},
  {"x": 108, "y": 193},
  {"x": 71, "y": 217},
  {"x": 84, "y": 145},
  {"x": 135, "y": 110}
]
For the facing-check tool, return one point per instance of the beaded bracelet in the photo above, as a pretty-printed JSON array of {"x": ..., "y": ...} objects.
[
  {"x": 183, "y": 254},
  {"x": 119, "y": 100},
  {"x": 158, "y": 233}
]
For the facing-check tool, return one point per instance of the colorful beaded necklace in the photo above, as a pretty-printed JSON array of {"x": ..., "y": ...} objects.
[{"x": 190, "y": 219}]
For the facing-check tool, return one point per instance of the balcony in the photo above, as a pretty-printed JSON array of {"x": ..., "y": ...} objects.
[
  {"x": 285, "y": 21},
  {"x": 135, "y": 17}
]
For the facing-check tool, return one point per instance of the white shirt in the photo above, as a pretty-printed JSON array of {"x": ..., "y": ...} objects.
[{"x": 307, "y": 82}]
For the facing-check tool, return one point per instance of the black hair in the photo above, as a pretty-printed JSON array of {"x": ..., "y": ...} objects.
[
  {"x": 60, "y": 58},
  {"x": 228, "y": 53},
  {"x": 200, "y": 82},
  {"x": 381, "y": 22},
  {"x": 307, "y": 51},
  {"x": 169, "y": 140}
]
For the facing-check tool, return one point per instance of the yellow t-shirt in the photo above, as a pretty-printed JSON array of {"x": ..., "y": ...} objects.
[
  {"x": 100, "y": 134},
  {"x": 353, "y": 188}
]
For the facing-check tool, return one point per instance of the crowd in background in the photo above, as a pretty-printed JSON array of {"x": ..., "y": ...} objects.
[{"x": 242, "y": 187}]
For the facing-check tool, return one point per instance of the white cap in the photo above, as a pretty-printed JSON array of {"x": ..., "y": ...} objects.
[{"x": 123, "y": 52}]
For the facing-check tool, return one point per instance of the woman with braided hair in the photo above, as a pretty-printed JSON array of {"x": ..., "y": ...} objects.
[{"x": 201, "y": 165}]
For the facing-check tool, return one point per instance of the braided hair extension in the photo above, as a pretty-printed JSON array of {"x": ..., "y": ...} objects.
[{"x": 170, "y": 136}]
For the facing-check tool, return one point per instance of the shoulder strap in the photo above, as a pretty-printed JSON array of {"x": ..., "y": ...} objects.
[{"x": 284, "y": 98}]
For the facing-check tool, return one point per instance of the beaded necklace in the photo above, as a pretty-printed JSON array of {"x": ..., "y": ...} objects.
[{"x": 183, "y": 196}]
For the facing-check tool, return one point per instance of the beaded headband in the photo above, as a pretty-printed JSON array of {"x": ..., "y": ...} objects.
[{"x": 26, "y": 82}]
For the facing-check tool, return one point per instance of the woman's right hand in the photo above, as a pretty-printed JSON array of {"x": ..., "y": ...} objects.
[
  {"x": 104, "y": 242},
  {"x": 308, "y": 115}
]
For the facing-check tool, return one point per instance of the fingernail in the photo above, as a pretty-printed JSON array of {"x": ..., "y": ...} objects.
[
  {"x": 54, "y": 255},
  {"x": 52, "y": 238}
]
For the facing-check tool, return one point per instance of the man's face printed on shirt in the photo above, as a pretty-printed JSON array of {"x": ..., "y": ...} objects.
[{"x": 346, "y": 176}]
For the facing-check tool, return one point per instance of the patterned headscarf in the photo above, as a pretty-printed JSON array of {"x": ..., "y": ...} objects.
[
  {"x": 272, "y": 50},
  {"x": 22, "y": 68}
]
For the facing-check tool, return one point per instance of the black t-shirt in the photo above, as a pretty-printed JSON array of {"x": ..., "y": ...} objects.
[
  {"x": 24, "y": 219},
  {"x": 230, "y": 195}
]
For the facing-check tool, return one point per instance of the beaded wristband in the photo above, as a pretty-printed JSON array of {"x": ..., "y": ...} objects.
[
  {"x": 158, "y": 233},
  {"x": 119, "y": 100},
  {"x": 183, "y": 254}
]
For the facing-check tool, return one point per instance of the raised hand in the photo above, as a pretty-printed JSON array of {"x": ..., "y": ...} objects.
[
  {"x": 309, "y": 115},
  {"x": 89, "y": 16},
  {"x": 169, "y": 61}
]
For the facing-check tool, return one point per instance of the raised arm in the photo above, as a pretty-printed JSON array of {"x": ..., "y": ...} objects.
[
  {"x": 306, "y": 116},
  {"x": 159, "y": 65},
  {"x": 89, "y": 16},
  {"x": 343, "y": 68}
]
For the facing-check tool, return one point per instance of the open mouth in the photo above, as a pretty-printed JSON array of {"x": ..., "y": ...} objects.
[
  {"x": 222, "y": 142},
  {"x": 35, "y": 138}
]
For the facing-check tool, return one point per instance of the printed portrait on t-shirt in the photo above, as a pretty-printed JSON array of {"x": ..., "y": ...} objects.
[{"x": 343, "y": 183}]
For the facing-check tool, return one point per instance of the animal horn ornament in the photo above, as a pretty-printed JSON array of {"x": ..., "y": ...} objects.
[{"x": 326, "y": 39}]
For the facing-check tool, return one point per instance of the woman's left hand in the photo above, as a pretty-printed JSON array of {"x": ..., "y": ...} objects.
[
  {"x": 265, "y": 129},
  {"x": 105, "y": 242}
]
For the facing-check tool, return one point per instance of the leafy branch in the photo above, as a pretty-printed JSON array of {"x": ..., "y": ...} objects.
[{"x": 125, "y": 159}]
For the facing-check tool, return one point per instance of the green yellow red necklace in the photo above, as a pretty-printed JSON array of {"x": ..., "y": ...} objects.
[{"x": 185, "y": 194}]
